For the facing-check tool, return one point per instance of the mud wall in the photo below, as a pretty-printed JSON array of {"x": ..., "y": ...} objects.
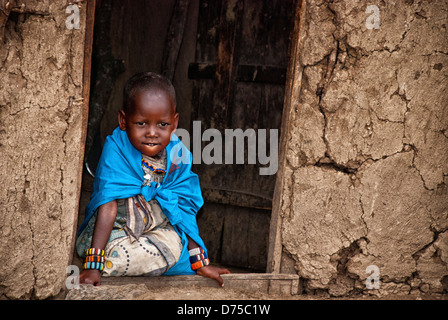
[
  {"x": 364, "y": 176},
  {"x": 41, "y": 144}
]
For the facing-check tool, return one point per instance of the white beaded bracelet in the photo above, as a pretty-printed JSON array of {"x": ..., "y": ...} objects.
[{"x": 195, "y": 251}]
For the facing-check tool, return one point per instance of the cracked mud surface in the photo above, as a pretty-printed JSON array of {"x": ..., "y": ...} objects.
[{"x": 365, "y": 171}]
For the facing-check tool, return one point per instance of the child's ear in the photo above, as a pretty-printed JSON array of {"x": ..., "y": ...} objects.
[
  {"x": 176, "y": 121},
  {"x": 122, "y": 120}
]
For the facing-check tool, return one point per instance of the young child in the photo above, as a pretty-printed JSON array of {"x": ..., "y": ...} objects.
[{"x": 141, "y": 218}]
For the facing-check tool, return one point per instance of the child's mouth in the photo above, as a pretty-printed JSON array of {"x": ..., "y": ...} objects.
[{"x": 151, "y": 144}]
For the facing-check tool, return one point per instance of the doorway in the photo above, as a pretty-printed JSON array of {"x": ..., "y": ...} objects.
[{"x": 227, "y": 60}]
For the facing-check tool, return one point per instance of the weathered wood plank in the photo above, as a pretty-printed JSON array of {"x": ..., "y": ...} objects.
[
  {"x": 244, "y": 73},
  {"x": 275, "y": 248},
  {"x": 174, "y": 37},
  {"x": 237, "y": 198},
  {"x": 286, "y": 284},
  {"x": 229, "y": 34}
]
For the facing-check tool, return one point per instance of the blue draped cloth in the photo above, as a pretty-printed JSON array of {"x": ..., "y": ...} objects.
[{"x": 119, "y": 175}]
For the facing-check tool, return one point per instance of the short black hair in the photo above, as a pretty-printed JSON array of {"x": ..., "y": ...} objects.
[{"x": 146, "y": 81}]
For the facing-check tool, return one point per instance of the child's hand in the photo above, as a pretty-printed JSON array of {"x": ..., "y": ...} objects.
[
  {"x": 213, "y": 273},
  {"x": 90, "y": 277}
]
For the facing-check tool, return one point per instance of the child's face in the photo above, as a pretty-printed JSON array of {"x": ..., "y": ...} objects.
[{"x": 150, "y": 122}]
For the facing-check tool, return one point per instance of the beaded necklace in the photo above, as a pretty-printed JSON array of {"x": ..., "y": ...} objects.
[{"x": 152, "y": 168}]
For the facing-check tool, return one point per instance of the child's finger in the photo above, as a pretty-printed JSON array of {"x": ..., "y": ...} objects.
[
  {"x": 220, "y": 281},
  {"x": 225, "y": 271}
]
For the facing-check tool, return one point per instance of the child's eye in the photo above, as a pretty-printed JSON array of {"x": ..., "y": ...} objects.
[
  {"x": 140, "y": 124},
  {"x": 163, "y": 124}
]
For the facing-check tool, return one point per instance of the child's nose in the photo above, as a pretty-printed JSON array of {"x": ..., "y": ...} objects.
[{"x": 151, "y": 131}]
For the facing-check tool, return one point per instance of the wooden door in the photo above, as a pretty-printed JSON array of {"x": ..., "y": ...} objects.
[{"x": 239, "y": 79}]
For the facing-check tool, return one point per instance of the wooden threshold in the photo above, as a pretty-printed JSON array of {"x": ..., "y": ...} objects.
[{"x": 270, "y": 283}]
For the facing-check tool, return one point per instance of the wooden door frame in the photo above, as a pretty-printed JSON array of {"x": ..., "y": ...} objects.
[
  {"x": 292, "y": 88},
  {"x": 87, "y": 69},
  {"x": 86, "y": 77}
]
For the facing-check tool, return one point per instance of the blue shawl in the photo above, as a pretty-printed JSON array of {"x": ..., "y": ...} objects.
[{"x": 119, "y": 175}]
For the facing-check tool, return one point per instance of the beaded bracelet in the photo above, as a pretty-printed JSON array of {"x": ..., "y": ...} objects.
[
  {"x": 198, "y": 257},
  {"x": 93, "y": 266},
  {"x": 200, "y": 264},
  {"x": 196, "y": 251},
  {"x": 95, "y": 259},
  {"x": 96, "y": 252}
]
